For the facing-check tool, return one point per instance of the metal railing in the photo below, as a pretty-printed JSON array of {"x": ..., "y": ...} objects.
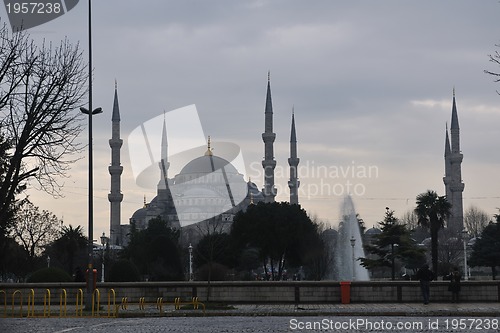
[{"x": 112, "y": 307}]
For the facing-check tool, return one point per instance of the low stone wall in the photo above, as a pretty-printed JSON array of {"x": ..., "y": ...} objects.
[{"x": 257, "y": 291}]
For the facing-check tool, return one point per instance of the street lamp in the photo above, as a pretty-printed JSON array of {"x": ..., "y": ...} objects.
[
  {"x": 190, "y": 248},
  {"x": 464, "y": 237},
  {"x": 104, "y": 241},
  {"x": 353, "y": 243},
  {"x": 90, "y": 112}
]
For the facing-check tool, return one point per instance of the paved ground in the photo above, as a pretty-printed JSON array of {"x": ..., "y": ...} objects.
[
  {"x": 251, "y": 324},
  {"x": 438, "y": 317}
]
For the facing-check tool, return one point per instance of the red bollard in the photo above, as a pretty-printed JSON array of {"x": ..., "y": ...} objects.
[
  {"x": 94, "y": 277},
  {"x": 345, "y": 292}
]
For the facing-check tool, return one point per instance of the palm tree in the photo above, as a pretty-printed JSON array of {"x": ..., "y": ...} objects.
[
  {"x": 68, "y": 246},
  {"x": 432, "y": 212}
]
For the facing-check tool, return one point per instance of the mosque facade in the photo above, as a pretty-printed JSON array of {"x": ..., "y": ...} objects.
[{"x": 208, "y": 190}]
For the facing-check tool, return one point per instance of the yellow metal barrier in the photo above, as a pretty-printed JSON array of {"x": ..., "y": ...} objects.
[
  {"x": 20, "y": 301},
  {"x": 177, "y": 303},
  {"x": 4, "y": 302},
  {"x": 124, "y": 303},
  {"x": 96, "y": 291},
  {"x": 142, "y": 302},
  {"x": 194, "y": 301},
  {"x": 31, "y": 303},
  {"x": 46, "y": 301},
  {"x": 96, "y": 299},
  {"x": 62, "y": 298},
  {"x": 159, "y": 304},
  {"x": 112, "y": 291},
  {"x": 79, "y": 302}
]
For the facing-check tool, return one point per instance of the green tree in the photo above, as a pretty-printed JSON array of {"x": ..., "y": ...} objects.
[
  {"x": 155, "y": 251},
  {"x": 433, "y": 211},
  {"x": 15, "y": 262},
  {"x": 486, "y": 249},
  {"x": 214, "y": 248},
  {"x": 282, "y": 233},
  {"x": 70, "y": 249},
  {"x": 123, "y": 271},
  {"x": 394, "y": 242}
]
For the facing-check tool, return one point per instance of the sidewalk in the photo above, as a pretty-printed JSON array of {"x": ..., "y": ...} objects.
[
  {"x": 367, "y": 309},
  {"x": 291, "y": 310}
]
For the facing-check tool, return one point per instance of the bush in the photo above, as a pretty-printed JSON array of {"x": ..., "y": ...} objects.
[
  {"x": 124, "y": 271},
  {"x": 219, "y": 272},
  {"x": 49, "y": 274}
]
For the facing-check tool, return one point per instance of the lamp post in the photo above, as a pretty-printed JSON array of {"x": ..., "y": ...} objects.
[
  {"x": 393, "y": 268},
  {"x": 353, "y": 243},
  {"x": 464, "y": 237},
  {"x": 90, "y": 112},
  {"x": 104, "y": 241},
  {"x": 190, "y": 248}
]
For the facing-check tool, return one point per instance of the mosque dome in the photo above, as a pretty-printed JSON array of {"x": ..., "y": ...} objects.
[
  {"x": 207, "y": 164},
  {"x": 373, "y": 231},
  {"x": 140, "y": 214}
]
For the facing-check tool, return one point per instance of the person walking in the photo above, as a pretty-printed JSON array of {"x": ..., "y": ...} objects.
[
  {"x": 454, "y": 285},
  {"x": 425, "y": 275}
]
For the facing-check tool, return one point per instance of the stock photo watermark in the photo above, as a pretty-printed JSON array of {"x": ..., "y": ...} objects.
[
  {"x": 25, "y": 15},
  {"x": 207, "y": 185},
  {"x": 212, "y": 179},
  {"x": 321, "y": 180}
]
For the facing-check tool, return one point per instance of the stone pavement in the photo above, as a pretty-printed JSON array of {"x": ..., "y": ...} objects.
[
  {"x": 262, "y": 310},
  {"x": 375, "y": 317},
  {"x": 353, "y": 318},
  {"x": 366, "y": 309}
]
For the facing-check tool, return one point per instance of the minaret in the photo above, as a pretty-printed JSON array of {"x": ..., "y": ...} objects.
[
  {"x": 447, "y": 164},
  {"x": 293, "y": 161},
  {"x": 115, "y": 197},
  {"x": 164, "y": 164},
  {"x": 164, "y": 194},
  {"x": 269, "y": 191},
  {"x": 453, "y": 176}
]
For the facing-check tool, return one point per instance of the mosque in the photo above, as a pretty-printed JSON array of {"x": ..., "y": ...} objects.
[{"x": 208, "y": 190}]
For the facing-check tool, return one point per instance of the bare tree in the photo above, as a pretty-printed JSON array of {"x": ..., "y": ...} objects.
[
  {"x": 40, "y": 88},
  {"x": 475, "y": 221},
  {"x": 211, "y": 245},
  {"x": 34, "y": 230},
  {"x": 495, "y": 58},
  {"x": 410, "y": 219}
]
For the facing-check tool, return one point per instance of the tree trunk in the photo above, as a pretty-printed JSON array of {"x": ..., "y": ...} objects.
[{"x": 434, "y": 249}]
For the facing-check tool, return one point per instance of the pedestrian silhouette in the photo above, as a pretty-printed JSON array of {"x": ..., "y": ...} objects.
[
  {"x": 425, "y": 275},
  {"x": 454, "y": 285}
]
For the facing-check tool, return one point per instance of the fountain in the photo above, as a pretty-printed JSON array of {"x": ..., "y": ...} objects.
[{"x": 348, "y": 241}]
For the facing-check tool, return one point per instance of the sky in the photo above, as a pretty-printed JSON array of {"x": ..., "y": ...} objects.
[{"x": 371, "y": 84}]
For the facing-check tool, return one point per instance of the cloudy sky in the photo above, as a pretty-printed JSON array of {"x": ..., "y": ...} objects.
[{"x": 371, "y": 83}]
